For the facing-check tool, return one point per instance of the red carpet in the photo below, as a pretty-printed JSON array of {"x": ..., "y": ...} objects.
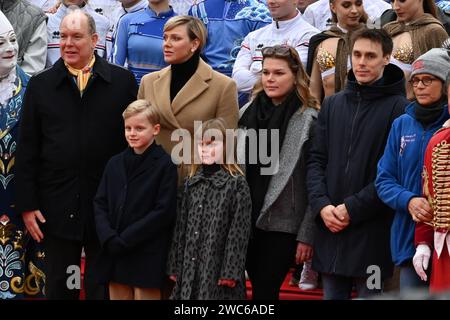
[{"x": 288, "y": 292}]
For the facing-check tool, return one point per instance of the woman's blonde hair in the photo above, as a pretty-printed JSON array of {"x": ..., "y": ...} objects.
[
  {"x": 142, "y": 107},
  {"x": 290, "y": 55},
  {"x": 195, "y": 28},
  {"x": 220, "y": 125}
]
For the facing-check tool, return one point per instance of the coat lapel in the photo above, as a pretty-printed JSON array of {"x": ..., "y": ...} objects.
[
  {"x": 297, "y": 134},
  {"x": 121, "y": 170},
  {"x": 193, "y": 88},
  {"x": 161, "y": 93},
  {"x": 155, "y": 153}
]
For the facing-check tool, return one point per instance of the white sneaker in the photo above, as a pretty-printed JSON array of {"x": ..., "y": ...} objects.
[{"x": 308, "y": 278}]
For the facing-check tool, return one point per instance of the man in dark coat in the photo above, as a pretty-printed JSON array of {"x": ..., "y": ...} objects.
[
  {"x": 352, "y": 241},
  {"x": 71, "y": 125}
]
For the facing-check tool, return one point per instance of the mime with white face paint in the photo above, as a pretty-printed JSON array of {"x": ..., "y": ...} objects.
[{"x": 29, "y": 23}]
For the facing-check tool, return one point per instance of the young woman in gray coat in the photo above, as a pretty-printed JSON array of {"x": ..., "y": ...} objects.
[{"x": 283, "y": 107}]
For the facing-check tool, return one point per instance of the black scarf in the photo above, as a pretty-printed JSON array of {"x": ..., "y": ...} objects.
[
  {"x": 430, "y": 114},
  {"x": 210, "y": 169},
  {"x": 263, "y": 114},
  {"x": 134, "y": 160},
  {"x": 181, "y": 73}
]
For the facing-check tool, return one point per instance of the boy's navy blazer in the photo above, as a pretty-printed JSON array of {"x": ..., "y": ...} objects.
[{"x": 141, "y": 210}]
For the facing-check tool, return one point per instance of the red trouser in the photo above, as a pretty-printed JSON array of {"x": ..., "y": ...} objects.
[{"x": 440, "y": 274}]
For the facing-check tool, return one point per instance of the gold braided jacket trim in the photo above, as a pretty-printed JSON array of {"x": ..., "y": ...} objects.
[{"x": 440, "y": 157}]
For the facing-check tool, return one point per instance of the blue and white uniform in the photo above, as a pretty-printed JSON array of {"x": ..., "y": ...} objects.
[
  {"x": 228, "y": 23},
  {"x": 139, "y": 41},
  {"x": 118, "y": 13},
  {"x": 444, "y": 5}
]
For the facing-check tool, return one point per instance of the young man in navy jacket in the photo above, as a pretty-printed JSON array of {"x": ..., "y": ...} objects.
[{"x": 353, "y": 223}]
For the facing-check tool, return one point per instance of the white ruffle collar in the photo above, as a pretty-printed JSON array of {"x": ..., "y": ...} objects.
[{"x": 8, "y": 87}]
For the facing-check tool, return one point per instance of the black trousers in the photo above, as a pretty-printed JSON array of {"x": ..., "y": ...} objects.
[
  {"x": 59, "y": 255},
  {"x": 269, "y": 257}
]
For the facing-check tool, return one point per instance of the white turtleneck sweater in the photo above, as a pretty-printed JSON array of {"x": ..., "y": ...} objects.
[
  {"x": 7, "y": 87},
  {"x": 295, "y": 32}
]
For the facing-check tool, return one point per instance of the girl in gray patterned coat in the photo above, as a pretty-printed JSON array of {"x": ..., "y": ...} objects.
[{"x": 207, "y": 256}]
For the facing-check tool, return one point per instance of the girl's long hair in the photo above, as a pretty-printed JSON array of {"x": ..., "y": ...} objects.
[{"x": 220, "y": 125}]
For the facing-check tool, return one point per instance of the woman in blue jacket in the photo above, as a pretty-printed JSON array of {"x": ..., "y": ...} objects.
[
  {"x": 139, "y": 40},
  {"x": 399, "y": 182}
]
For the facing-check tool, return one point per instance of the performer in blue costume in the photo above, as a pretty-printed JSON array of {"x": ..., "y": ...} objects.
[
  {"x": 139, "y": 39},
  {"x": 228, "y": 22},
  {"x": 20, "y": 258}
]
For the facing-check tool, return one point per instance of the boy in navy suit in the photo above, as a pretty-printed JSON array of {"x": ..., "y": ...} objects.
[{"x": 135, "y": 209}]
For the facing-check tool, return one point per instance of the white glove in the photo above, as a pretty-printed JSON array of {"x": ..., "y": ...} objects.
[{"x": 421, "y": 260}]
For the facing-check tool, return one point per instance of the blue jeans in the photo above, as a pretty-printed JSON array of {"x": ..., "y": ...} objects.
[
  {"x": 409, "y": 278},
  {"x": 337, "y": 287}
]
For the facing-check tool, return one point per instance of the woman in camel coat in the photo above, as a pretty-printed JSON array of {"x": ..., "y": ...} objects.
[{"x": 188, "y": 90}]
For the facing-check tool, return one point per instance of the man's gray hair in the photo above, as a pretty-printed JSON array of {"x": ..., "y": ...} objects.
[{"x": 91, "y": 22}]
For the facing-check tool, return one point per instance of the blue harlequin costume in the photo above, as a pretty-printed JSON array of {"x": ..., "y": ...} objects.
[
  {"x": 444, "y": 5},
  {"x": 228, "y": 22},
  {"x": 21, "y": 258}
]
